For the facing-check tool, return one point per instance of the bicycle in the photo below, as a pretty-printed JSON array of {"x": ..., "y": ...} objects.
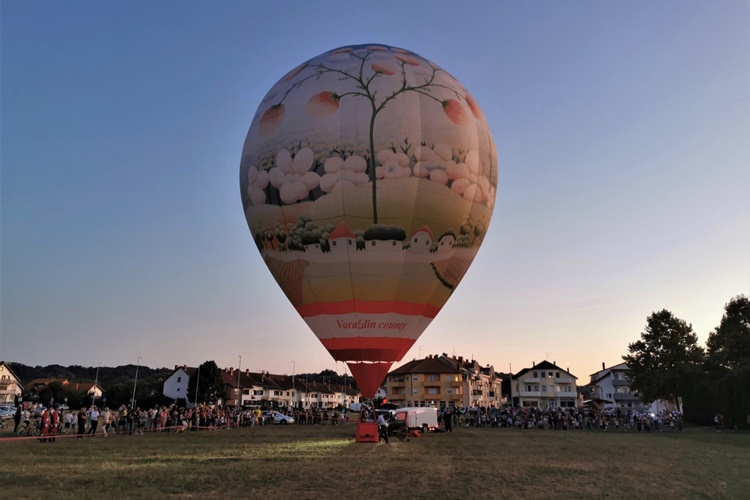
[{"x": 29, "y": 428}]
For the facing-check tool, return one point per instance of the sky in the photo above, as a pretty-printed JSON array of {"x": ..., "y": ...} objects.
[{"x": 623, "y": 154}]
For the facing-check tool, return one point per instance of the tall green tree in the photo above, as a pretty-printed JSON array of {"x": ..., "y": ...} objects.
[
  {"x": 728, "y": 346},
  {"x": 210, "y": 383},
  {"x": 666, "y": 360}
]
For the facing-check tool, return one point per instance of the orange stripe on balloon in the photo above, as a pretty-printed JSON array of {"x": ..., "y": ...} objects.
[{"x": 365, "y": 307}]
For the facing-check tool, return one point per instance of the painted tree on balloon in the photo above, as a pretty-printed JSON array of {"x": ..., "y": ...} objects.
[{"x": 365, "y": 80}]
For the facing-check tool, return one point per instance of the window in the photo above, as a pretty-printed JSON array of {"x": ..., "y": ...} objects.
[
  {"x": 433, "y": 378},
  {"x": 333, "y": 243},
  {"x": 414, "y": 378},
  {"x": 416, "y": 240},
  {"x": 536, "y": 374},
  {"x": 179, "y": 379},
  {"x": 432, "y": 390},
  {"x": 415, "y": 391},
  {"x": 257, "y": 392},
  {"x": 528, "y": 388},
  {"x": 178, "y": 389},
  {"x": 549, "y": 374},
  {"x": 449, "y": 391},
  {"x": 544, "y": 388},
  {"x": 372, "y": 243},
  {"x": 557, "y": 374}
]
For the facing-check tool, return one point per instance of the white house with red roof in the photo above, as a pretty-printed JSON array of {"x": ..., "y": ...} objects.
[
  {"x": 342, "y": 238},
  {"x": 421, "y": 240}
]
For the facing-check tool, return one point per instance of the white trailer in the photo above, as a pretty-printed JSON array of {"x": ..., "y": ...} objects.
[{"x": 419, "y": 418}]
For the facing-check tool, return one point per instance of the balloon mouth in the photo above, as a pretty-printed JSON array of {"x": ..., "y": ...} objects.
[{"x": 369, "y": 376}]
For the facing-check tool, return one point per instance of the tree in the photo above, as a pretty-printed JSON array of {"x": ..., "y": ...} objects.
[
  {"x": 664, "y": 362},
  {"x": 728, "y": 346},
  {"x": 210, "y": 384}
]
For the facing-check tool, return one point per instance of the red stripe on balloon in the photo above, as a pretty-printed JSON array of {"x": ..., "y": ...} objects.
[
  {"x": 376, "y": 349},
  {"x": 365, "y": 307}
]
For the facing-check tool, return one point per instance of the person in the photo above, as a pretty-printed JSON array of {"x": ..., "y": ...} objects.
[
  {"x": 81, "y": 423},
  {"x": 93, "y": 420},
  {"x": 46, "y": 421},
  {"x": 54, "y": 423},
  {"x": 106, "y": 417},
  {"x": 448, "y": 419},
  {"x": 17, "y": 419},
  {"x": 382, "y": 428}
]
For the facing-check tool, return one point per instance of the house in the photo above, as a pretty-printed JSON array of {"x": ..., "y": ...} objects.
[
  {"x": 544, "y": 385},
  {"x": 89, "y": 388},
  {"x": 176, "y": 385},
  {"x": 10, "y": 385},
  {"x": 611, "y": 386},
  {"x": 444, "y": 381},
  {"x": 342, "y": 238},
  {"x": 421, "y": 240}
]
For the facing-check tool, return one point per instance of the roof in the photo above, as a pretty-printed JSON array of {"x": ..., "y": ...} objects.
[
  {"x": 620, "y": 366},
  {"x": 423, "y": 229},
  {"x": 544, "y": 365},
  {"x": 7, "y": 367},
  {"x": 427, "y": 365},
  {"x": 342, "y": 230}
]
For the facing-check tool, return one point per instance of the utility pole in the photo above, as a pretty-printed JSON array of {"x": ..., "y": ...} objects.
[
  {"x": 96, "y": 383},
  {"x": 294, "y": 372},
  {"x": 239, "y": 389},
  {"x": 510, "y": 367},
  {"x": 135, "y": 383},
  {"x": 197, "y": 381}
]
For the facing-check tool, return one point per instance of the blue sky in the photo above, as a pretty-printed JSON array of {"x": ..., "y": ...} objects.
[{"x": 624, "y": 166}]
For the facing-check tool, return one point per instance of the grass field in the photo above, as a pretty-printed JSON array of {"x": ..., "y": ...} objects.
[{"x": 324, "y": 462}]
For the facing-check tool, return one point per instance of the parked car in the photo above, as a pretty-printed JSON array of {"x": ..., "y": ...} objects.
[
  {"x": 7, "y": 412},
  {"x": 62, "y": 407},
  {"x": 39, "y": 410},
  {"x": 278, "y": 418}
]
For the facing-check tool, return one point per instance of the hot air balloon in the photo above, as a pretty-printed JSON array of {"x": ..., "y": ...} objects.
[{"x": 368, "y": 180}]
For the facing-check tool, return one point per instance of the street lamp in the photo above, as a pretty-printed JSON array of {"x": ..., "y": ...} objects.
[
  {"x": 96, "y": 382},
  {"x": 135, "y": 383},
  {"x": 239, "y": 389}
]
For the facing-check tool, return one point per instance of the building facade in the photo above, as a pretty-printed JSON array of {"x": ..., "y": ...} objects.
[
  {"x": 441, "y": 381},
  {"x": 545, "y": 385},
  {"x": 10, "y": 385}
]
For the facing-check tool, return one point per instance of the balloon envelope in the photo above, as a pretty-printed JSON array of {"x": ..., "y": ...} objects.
[{"x": 368, "y": 180}]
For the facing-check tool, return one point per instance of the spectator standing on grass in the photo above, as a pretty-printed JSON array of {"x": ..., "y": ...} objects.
[
  {"x": 106, "y": 417},
  {"x": 448, "y": 419},
  {"x": 70, "y": 421},
  {"x": 46, "y": 421},
  {"x": 93, "y": 420},
  {"x": 382, "y": 428},
  {"x": 17, "y": 418},
  {"x": 54, "y": 423},
  {"x": 81, "y": 423}
]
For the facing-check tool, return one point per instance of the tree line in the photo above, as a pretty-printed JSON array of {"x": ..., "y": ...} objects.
[{"x": 668, "y": 363}]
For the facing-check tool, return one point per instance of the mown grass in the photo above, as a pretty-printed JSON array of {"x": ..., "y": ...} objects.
[{"x": 323, "y": 461}]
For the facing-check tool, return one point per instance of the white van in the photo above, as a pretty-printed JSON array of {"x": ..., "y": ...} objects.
[{"x": 419, "y": 418}]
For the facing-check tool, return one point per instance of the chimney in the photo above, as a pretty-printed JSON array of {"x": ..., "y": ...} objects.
[
  {"x": 603, "y": 368},
  {"x": 247, "y": 372},
  {"x": 184, "y": 367},
  {"x": 176, "y": 367}
]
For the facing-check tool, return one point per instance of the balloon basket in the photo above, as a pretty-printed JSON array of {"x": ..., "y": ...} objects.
[{"x": 367, "y": 432}]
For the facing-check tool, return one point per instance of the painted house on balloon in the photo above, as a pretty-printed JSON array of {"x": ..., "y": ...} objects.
[
  {"x": 421, "y": 240},
  {"x": 342, "y": 239}
]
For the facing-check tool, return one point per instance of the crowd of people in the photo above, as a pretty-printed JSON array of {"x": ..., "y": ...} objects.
[
  {"x": 135, "y": 421},
  {"x": 126, "y": 420},
  {"x": 530, "y": 417}
]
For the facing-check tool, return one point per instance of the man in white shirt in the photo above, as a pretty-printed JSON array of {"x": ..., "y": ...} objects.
[{"x": 93, "y": 420}]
